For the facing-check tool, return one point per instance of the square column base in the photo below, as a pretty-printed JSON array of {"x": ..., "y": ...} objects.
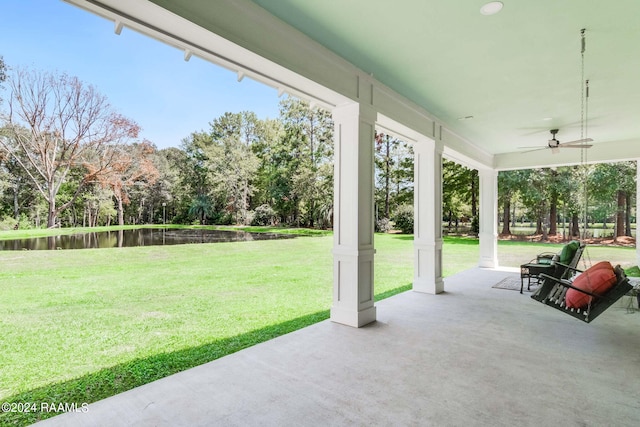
[
  {"x": 428, "y": 286},
  {"x": 355, "y": 319}
]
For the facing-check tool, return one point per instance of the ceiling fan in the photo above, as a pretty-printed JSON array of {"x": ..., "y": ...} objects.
[{"x": 555, "y": 145}]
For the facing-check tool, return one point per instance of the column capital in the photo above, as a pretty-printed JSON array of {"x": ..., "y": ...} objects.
[{"x": 364, "y": 112}]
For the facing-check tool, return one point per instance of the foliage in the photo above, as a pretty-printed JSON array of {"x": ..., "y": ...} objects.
[
  {"x": 225, "y": 174},
  {"x": 612, "y": 185},
  {"x": 202, "y": 208},
  {"x": 551, "y": 196},
  {"x": 3, "y": 73},
  {"x": 8, "y": 223},
  {"x": 403, "y": 219},
  {"x": 264, "y": 215},
  {"x": 383, "y": 225},
  {"x": 394, "y": 173},
  {"x": 232, "y": 165},
  {"x": 459, "y": 193},
  {"x": 304, "y": 161},
  {"x": 58, "y": 126}
]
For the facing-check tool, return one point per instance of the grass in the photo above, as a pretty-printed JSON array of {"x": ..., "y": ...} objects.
[
  {"x": 83, "y": 327},
  {"x": 80, "y": 328}
]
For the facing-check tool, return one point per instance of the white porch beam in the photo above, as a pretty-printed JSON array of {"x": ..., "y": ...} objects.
[
  {"x": 353, "y": 248},
  {"x": 488, "y": 218},
  {"x": 427, "y": 202}
]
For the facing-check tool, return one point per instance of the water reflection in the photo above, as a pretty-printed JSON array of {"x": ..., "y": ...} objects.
[{"x": 137, "y": 237}]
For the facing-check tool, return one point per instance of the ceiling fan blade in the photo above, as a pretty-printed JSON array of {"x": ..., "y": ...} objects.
[
  {"x": 577, "y": 141},
  {"x": 534, "y": 149},
  {"x": 577, "y": 146}
]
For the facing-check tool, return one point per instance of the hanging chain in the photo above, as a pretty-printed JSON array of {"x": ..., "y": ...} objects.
[
  {"x": 583, "y": 151},
  {"x": 584, "y": 114}
]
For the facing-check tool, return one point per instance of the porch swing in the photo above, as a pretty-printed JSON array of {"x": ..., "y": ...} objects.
[{"x": 584, "y": 294}]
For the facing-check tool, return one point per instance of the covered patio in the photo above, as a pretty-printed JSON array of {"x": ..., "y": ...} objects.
[
  {"x": 453, "y": 79},
  {"x": 474, "y": 355},
  {"x": 455, "y": 84}
]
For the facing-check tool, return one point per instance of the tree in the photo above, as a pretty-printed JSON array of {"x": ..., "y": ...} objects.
[
  {"x": 267, "y": 148},
  {"x": 194, "y": 178},
  {"x": 231, "y": 161},
  {"x": 615, "y": 182},
  {"x": 459, "y": 192},
  {"x": 394, "y": 173},
  {"x": 384, "y": 162},
  {"x": 58, "y": 124},
  {"x": 509, "y": 183},
  {"x": 165, "y": 191},
  {"x": 535, "y": 196},
  {"x": 131, "y": 166},
  {"x": 306, "y": 161},
  {"x": 202, "y": 208},
  {"x": 3, "y": 73}
]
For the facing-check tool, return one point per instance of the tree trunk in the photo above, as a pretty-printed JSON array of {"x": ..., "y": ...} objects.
[
  {"x": 474, "y": 199},
  {"x": 575, "y": 225},
  {"x": 51, "y": 215},
  {"x": 16, "y": 204},
  {"x": 553, "y": 215},
  {"x": 539, "y": 225},
  {"x": 627, "y": 215},
  {"x": 387, "y": 166},
  {"x": 506, "y": 220},
  {"x": 120, "y": 210},
  {"x": 620, "y": 214}
]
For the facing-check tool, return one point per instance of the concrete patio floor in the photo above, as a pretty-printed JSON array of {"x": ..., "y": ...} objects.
[{"x": 471, "y": 356}]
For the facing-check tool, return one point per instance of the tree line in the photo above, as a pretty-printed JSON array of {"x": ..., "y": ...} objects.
[
  {"x": 67, "y": 158},
  {"x": 577, "y": 196}
]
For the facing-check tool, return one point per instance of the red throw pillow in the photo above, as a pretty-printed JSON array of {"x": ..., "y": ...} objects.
[
  {"x": 601, "y": 264},
  {"x": 597, "y": 279}
]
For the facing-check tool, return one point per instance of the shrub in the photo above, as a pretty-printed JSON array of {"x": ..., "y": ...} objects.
[
  {"x": 383, "y": 225},
  {"x": 403, "y": 218},
  {"x": 9, "y": 223},
  {"x": 475, "y": 224},
  {"x": 264, "y": 215}
]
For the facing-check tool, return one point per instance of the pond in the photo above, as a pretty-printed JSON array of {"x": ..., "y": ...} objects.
[{"x": 135, "y": 237}]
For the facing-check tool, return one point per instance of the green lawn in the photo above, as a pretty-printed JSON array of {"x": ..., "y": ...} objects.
[{"x": 78, "y": 326}]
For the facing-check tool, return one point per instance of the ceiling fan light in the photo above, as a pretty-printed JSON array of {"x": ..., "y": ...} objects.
[{"x": 491, "y": 8}]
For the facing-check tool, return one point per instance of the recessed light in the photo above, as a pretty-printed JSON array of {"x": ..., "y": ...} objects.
[
  {"x": 491, "y": 8},
  {"x": 546, "y": 119}
]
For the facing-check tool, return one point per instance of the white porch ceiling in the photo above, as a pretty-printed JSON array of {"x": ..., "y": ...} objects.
[{"x": 518, "y": 73}]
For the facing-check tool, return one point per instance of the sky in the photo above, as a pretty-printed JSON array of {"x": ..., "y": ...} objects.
[{"x": 143, "y": 79}]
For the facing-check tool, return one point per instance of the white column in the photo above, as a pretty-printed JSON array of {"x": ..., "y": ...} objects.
[
  {"x": 353, "y": 215},
  {"x": 488, "y": 218},
  {"x": 427, "y": 205},
  {"x": 637, "y": 210}
]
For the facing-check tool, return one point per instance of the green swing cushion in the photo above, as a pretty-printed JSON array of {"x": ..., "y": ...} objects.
[
  {"x": 568, "y": 251},
  {"x": 597, "y": 279}
]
